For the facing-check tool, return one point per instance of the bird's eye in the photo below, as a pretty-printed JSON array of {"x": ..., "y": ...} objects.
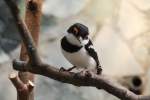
[{"x": 76, "y": 30}]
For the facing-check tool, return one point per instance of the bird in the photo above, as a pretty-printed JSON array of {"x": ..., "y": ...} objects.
[{"x": 78, "y": 49}]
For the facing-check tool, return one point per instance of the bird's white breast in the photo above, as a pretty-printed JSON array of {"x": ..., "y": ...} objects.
[{"x": 80, "y": 59}]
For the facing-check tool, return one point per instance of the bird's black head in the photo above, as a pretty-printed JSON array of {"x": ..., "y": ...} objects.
[{"x": 79, "y": 30}]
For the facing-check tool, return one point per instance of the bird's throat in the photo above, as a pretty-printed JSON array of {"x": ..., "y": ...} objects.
[{"x": 73, "y": 40}]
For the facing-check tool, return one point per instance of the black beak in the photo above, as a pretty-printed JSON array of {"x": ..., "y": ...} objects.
[{"x": 78, "y": 39}]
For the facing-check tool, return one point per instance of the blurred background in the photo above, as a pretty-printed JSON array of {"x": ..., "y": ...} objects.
[{"x": 120, "y": 32}]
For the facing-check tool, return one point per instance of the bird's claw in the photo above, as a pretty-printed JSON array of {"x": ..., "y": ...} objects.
[
  {"x": 86, "y": 73},
  {"x": 62, "y": 69}
]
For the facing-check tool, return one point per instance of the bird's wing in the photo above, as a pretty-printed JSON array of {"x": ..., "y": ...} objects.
[{"x": 91, "y": 51}]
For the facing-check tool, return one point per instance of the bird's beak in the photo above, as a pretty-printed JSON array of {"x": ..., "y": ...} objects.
[{"x": 79, "y": 39}]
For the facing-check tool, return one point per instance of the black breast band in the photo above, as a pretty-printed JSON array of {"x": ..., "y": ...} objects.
[{"x": 68, "y": 46}]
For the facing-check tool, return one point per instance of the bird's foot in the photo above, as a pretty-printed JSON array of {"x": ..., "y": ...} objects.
[
  {"x": 69, "y": 69},
  {"x": 62, "y": 69},
  {"x": 86, "y": 73}
]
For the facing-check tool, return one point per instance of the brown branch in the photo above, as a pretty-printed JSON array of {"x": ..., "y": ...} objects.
[
  {"x": 77, "y": 79},
  {"x": 22, "y": 88},
  {"x": 23, "y": 30},
  {"x": 32, "y": 20}
]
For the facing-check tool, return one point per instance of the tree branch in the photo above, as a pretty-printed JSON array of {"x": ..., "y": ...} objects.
[
  {"x": 32, "y": 25},
  {"x": 77, "y": 79},
  {"x": 32, "y": 20},
  {"x": 22, "y": 88},
  {"x": 23, "y": 30}
]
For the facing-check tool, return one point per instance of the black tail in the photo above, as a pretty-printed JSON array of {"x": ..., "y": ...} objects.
[{"x": 99, "y": 70}]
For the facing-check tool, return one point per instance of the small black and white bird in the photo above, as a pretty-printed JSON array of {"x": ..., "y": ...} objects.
[{"x": 78, "y": 49}]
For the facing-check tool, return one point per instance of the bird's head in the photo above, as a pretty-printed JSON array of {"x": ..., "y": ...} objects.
[{"x": 79, "y": 31}]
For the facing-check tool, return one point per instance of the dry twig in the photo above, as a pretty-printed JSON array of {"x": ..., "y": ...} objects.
[{"x": 22, "y": 88}]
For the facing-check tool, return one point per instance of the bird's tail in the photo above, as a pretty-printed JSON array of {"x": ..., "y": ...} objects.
[{"x": 99, "y": 70}]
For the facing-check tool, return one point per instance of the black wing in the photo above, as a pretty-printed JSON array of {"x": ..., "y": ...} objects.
[{"x": 92, "y": 52}]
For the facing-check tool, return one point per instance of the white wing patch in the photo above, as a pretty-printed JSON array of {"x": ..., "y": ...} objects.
[{"x": 91, "y": 46}]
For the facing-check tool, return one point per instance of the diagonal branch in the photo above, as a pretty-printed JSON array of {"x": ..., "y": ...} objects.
[
  {"x": 77, "y": 79},
  {"x": 23, "y": 30}
]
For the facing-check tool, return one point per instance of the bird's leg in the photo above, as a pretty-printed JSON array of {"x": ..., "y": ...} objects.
[
  {"x": 99, "y": 70},
  {"x": 63, "y": 69},
  {"x": 71, "y": 68}
]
